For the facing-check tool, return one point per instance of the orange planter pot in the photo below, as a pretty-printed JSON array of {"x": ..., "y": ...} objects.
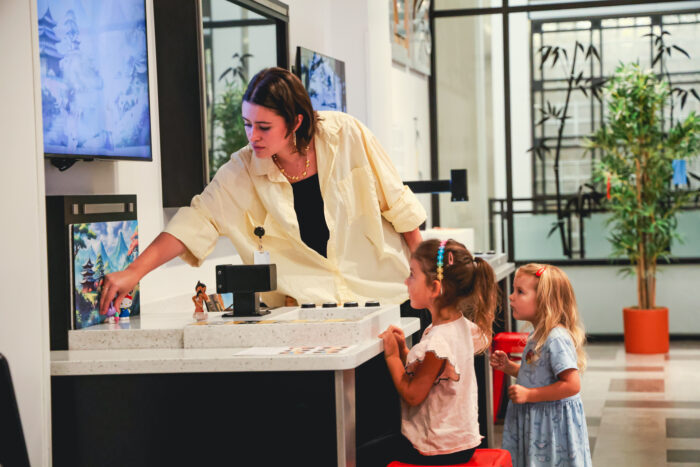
[{"x": 646, "y": 331}]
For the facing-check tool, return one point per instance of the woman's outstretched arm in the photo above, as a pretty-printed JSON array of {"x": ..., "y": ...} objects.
[{"x": 116, "y": 285}]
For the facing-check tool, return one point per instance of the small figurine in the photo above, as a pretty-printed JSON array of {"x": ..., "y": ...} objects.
[
  {"x": 112, "y": 314},
  {"x": 125, "y": 307},
  {"x": 199, "y": 299}
]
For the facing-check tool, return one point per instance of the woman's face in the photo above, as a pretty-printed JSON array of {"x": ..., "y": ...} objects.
[{"x": 265, "y": 129}]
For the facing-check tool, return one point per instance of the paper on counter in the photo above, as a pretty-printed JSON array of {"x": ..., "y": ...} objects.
[
  {"x": 295, "y": 350},
  {"x": 262, "y": 351}
]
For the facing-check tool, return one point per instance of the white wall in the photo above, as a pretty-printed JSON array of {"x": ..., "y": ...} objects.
[
  {"x": 602, "y": 293},
  {"x": 24, "y": 337}
]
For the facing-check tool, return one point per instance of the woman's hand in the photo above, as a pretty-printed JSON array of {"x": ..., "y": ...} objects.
[
  {"x": 519, "y": 394},
  {"x": 115, "y": 286},
  {"x": 499, "y": 360}
]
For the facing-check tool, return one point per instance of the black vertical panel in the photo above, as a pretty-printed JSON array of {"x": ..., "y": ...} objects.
[
  {"x": 58, "y": 260},
  {"x": 432, "y": 109},
  {"x": 177, "y": 26},
  {"x": 13, "y": 449},
  {"x": 194, "y": 419},
  {"x": 282, "y": 29},
  {"x": 507, "y": 127}
]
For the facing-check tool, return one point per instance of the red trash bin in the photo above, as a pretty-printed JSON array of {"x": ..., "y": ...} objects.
[{"x": 511, "y": 343}]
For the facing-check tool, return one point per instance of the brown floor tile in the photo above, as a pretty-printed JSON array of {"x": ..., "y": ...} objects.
[
  {"x": 593, "y": 421},
  {"x": 683, "y": 428},
  {"x": 625, "y": 368},
  {"x": 636, "y": 385},
  {"x": 653, "y": 404},
  {"x": 682, "y": 455}
]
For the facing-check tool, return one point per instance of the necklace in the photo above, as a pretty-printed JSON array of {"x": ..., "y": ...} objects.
[{"x": 275, "y": 159}]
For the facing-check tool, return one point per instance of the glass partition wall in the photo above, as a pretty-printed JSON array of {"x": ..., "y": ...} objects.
[
  {"x": 490, "y": 96},
  {"x": 468, "y": 61},
  {"x": 238, "y": 42}
]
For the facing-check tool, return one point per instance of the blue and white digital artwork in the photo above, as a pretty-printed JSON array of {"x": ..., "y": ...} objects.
[
  {"x": 94, "y": 78},
  {"x": 324, "y": 80},
  {"x": 98, "y": 249}
]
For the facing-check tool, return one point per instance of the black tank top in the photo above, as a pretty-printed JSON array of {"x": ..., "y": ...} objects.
[{"x": 308, "y": 205}]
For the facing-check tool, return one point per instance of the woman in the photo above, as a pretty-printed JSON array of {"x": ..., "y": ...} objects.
[{"x": 339, "y": 223}]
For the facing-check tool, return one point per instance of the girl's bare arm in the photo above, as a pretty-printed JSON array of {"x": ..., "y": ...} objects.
[{"x": 415, "y": 388}]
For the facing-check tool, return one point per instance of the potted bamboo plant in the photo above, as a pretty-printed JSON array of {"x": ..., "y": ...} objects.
[{"x": 638, "y": 148}]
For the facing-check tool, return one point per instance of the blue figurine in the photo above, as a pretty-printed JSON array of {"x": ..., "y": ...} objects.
[{"x": 125, "y": 307}]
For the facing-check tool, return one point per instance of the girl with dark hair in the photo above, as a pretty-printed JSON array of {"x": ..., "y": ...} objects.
[
  {"x": 339, "y": 223},
  {"x": 436, "y": 379}
]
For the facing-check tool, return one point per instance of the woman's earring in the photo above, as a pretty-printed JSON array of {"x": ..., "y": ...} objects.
[{"x": 294, "y": 139}]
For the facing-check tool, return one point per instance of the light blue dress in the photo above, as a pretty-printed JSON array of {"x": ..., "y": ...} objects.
[{"x": 547, "y": 433}]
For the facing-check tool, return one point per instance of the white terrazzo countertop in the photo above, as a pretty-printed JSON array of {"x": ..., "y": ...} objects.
[
  {"x": 160, "y": 330},
  {"x": 158, "y": 343},
  {"x": 180, "y": 360}
]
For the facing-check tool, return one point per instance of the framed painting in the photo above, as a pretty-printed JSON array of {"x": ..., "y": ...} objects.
[
  {"x": 100, "y": 248},
  {"x": 400, "y": 26},
  {"x": 324, "y": 79},
  {"x": 421, "y": 37}
]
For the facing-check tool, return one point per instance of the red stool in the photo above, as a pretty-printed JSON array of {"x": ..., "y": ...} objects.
[
  {"x": 511, "y": 343},
  {"x": 481, "y": 458}
]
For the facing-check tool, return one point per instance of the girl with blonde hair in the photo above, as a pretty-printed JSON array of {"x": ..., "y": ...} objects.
[{"x": 545, "y": 422}]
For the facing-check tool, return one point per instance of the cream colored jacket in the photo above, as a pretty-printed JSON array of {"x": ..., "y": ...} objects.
[{"x": 366, "y": 205}]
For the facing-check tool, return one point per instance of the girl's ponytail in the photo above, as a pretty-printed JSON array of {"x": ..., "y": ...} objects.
[{"x": 482, "y": 301}]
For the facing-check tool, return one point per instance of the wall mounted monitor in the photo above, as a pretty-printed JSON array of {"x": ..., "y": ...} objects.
[
  {"x": 324, "y": 79},
  {"x": 94, "y": 79}
]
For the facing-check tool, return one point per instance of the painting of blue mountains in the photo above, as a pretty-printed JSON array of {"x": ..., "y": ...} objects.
[
  {"x": 100, "y": 248},
  {"x": 94, "y": 78},
  {"x": 324, "y": 79}
]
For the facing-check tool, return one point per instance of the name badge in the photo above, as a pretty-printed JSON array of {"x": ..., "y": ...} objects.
[{"x": 261, "y": 257}]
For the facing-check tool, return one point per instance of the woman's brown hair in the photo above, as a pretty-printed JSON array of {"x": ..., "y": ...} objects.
[
  {"x": 281, "y": 91},
  {"x": 468, "y": 283}
]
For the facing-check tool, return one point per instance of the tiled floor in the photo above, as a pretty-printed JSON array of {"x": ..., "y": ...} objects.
[{"x": 642, "y": 410}]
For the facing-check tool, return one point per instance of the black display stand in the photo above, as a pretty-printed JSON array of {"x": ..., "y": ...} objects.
[
  {"x": 246, "y": 282},
  {"x": 61, "y": 212}
]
